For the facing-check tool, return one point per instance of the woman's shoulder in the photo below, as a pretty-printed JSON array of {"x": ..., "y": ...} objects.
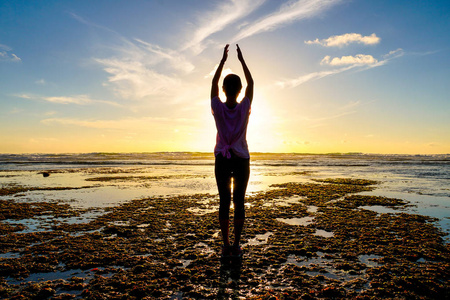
[
  {"x": 245, "y": 102},
  {"x": 215, "y": 101}
]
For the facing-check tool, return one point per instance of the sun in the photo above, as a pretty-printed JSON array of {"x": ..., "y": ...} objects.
[{"x": 263, "y": 127}]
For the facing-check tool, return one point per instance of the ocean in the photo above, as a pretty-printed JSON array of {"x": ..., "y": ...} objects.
[{"x": 100, "y": 180}]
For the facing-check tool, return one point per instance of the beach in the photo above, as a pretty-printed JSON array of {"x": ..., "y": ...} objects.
[{"x": 144, "y": 226}]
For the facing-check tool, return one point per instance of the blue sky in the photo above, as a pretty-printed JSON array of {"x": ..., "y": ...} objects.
[{"x": 119, "y": 76}]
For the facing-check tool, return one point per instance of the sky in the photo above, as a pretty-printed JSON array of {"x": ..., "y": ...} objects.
[{"x": 135, "y": 76}]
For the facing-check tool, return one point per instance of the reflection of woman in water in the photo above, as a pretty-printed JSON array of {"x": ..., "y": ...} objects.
[{"x": 232, "y": 166}]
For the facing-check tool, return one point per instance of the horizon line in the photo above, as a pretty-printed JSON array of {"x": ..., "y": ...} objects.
[{"x": 212, "y": 153}]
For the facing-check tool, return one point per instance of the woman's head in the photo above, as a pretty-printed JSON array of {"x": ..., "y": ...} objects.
[{"x": 232, "y": 85}]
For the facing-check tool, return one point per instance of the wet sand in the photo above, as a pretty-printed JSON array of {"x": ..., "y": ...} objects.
[{"x": 302, "y": 240}]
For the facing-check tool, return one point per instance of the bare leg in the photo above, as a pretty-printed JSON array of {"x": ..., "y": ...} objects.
[
  {"x": 223, "y": 179},
  {"x": 238, "y": 226},
  {"x": 241, "y": 176},
  {"x": 224, "y": 228}
]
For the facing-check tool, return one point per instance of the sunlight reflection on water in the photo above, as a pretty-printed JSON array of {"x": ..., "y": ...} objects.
[{"x": 398, "y": 179}]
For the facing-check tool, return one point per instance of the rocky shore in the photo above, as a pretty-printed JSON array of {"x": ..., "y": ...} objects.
[{"x": 301, "y": 241}]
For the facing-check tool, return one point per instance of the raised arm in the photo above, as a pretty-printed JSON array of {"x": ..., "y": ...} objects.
[
  {"x": 215, "y": 81},
  {"x": 248, "y": 76}
]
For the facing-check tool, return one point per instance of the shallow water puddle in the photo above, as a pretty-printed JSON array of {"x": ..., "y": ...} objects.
[
  {"x": 65, "y": 275},
  {"x": 305, "y": 221},
  {"x": 370, "y": 260},
  {"x": 216, "y": 234},
  {"x": 10, "y": 255},
  {"x": 80, "y": 233},
  {"x": 203, "y": 211},
  {"x": 31, "y": 225},
  {"x": 329, "y": 267},
  {"x": 436, "y": 205},
  {"x": 323, "y": 233},
  {"x": 80, "y": 219},
  {"x": 204, "y": 248},
  {"x": 185, "y": 262},
  {"x": 259, "y": 239},
  {"x": 283, "y": 201},
  {"x": 315, "y": 265},
  {"x": 143, "y": 225},
  {"x": 120, "y": 223},
  {"x": 204, "y": 207},
  {"x": 46, "y": 222},
  {"x": 321, "y": 266},
  {"x": 312, "y": 209}
]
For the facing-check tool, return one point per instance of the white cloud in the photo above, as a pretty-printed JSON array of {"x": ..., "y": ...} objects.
[
  {"x": 141, "y": 69},
  {"x": 175, "y": 58},
  {"x": 332, "y": 113},
  {"x": 359, "y": 62},
  {"x": 225, "y": 72},
  {"x": 359, "y": 59},
  {"x": 132, "y": 79},
  {"x": 331, "y": 117},
  {"x": 345, "y": 39},
  {"x": 127, "y": 124},
  {"x": 351, "y": 105},
  {"x": 217, "y": 20},
  {"x": 7, "y": 55},
  {"x": 24, "y": 96},
  {"x": 142, "y": 51},
  {"x": 89, "y": 23},
  {"x": 77, "y": 99},
  {"x": 5, "y": 47},
  {"x": 288, "y": 13},
  {"x": 394, "y": 53},
  {"x": 291, "y": 83},
  {"x": 320, "y": 121},
  {"x": 99, "y": 124},
  {"x": 15, "y": 57}
]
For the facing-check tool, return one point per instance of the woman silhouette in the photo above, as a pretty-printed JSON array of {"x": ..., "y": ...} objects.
[{"x": 232, "y": 158}]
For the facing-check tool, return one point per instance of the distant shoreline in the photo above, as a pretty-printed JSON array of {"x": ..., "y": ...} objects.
[{"x": 210, "y": 153}]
